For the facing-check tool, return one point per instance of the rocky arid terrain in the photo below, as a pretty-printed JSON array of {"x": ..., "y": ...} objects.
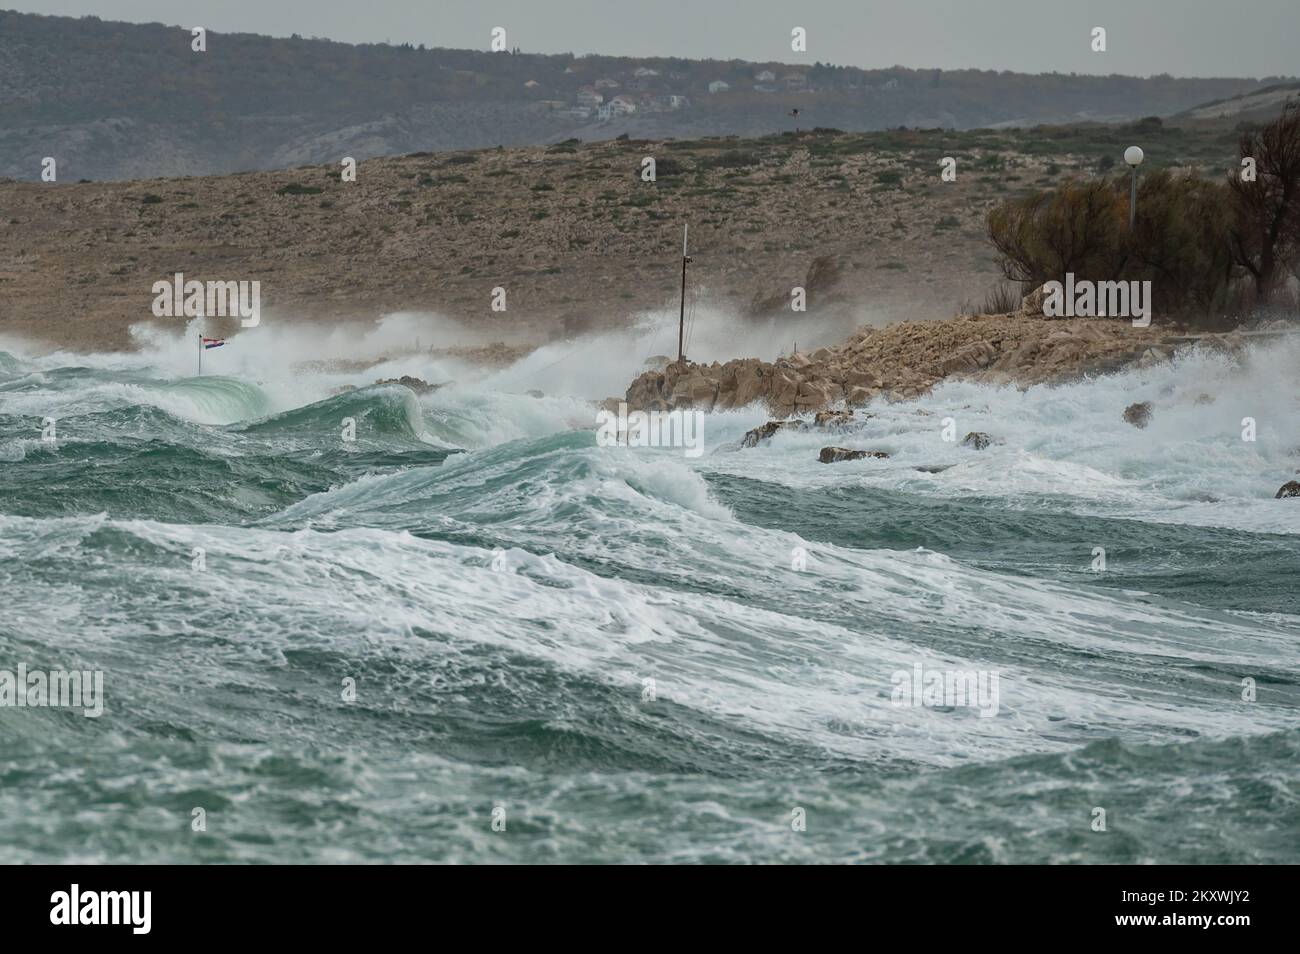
[{"x": 572, "y": 232}]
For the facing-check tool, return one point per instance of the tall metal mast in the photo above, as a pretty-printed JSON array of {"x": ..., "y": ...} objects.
[{"x": 681, "y": 320}]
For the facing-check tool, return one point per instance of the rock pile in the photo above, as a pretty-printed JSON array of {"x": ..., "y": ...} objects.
[
  {"x": 903, "y": 361},
  {"x": 418, "y": 385}
]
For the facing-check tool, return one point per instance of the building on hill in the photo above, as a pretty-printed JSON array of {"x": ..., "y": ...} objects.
[
  {"x": 589, "y": 98},
  {"x": 622, "y": 105},
  {"x": 606, "y": 83},
  {"x": 765, "y": 76},
  {"x": 719, "y": 86}
]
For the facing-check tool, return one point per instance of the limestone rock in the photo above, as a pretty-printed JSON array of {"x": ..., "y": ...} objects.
[
  {"x": 973, "y": 357},
  {"x": 903, "y": 361},
  {"x": 833, "y": 455},
  {"x": 417, "y": 385},
  {"x": 835, "y": 420},
  {"x": 764, "y": 432},
  {"x": 1290, "y": 489},
  {"x": 1031, "y": 306},
  {"x": 856, "y": 397},
  {"x": 1139, "y": 415},
  {"x": 977, "y": 439}
]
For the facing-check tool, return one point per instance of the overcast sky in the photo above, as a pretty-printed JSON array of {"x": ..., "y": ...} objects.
[{"x": 1182, "y": 37}]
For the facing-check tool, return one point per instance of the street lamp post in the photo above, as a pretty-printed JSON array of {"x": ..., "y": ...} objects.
[{"x": 1133, "y": 155}]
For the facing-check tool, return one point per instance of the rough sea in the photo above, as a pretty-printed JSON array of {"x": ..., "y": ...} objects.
[{"x": 471, "y": 634}]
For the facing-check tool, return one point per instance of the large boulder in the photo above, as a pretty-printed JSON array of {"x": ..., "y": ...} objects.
[
  {"x": 1139, "y": 415},
  {"x": 977, "y": 439},
  {"x": 833, "y": 455},
  {"x": 765, "y": 432},
  {"x": 833, "y": 420},
  {"x": 418, "y": 385},
  {"x": 815, "y": 394},
  {"x": 750, "y": 379},
  {"x": 861, "y": 378},
  {"x": 974, "y": 357},
  {"x": 1290, "y": 489},
  {"x": 856, "y": 397}
]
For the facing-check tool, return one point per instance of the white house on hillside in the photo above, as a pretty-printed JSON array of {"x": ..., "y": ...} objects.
[
  {"x": 719, "y": 86},
  {"x": 622, "y": 105},
  {"x": 765, "y": 76}
]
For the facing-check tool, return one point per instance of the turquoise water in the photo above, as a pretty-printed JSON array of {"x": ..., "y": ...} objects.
[{"x": 499, "y": 589}]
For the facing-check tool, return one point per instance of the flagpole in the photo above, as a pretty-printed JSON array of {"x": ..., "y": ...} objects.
[{"x": 200, "y": 354}]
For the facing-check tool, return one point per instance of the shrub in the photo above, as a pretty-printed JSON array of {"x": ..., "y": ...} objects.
[
  {"x": 731, "y": 159},
  {"x": 297, "y": 188},
  {"x": 1180, "y": 242},
  {"x": 1001, "y": 298},
  {"x": 1042, "y": 236}
]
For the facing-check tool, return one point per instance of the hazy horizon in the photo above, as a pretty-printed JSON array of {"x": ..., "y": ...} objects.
[{"x": 1025, "y": 36}]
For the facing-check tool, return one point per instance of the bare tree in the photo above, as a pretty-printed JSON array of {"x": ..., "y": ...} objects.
[{"x": 1265, "y": 229}]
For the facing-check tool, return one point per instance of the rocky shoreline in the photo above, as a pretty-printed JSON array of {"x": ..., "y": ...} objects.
[
  {"x": 904, "y": 361},
  {"x": 818, "y": 392}
]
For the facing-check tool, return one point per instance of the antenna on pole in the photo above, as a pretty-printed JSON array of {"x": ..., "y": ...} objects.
[{"x": 681, "y": 319}]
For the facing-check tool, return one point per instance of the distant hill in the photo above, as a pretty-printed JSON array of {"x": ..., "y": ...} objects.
[
  {"x": 1258, "y": 106},
  {"x": 117, "y": 100}
]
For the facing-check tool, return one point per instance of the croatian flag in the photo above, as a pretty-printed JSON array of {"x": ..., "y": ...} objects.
[{"x": 210, "y": 343}]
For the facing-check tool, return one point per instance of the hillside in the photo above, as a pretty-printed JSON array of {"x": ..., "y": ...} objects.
[
  {"x": 1259, "y": 106},
  {"x": 572, "y": 231},
  {"x": 119, "y": 101}
]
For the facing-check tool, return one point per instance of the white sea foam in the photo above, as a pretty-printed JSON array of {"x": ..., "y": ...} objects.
[{"x": 810, "y": 676}]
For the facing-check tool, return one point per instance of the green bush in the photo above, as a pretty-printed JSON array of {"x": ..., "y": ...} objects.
[{"x": 1180, "y": 241}]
